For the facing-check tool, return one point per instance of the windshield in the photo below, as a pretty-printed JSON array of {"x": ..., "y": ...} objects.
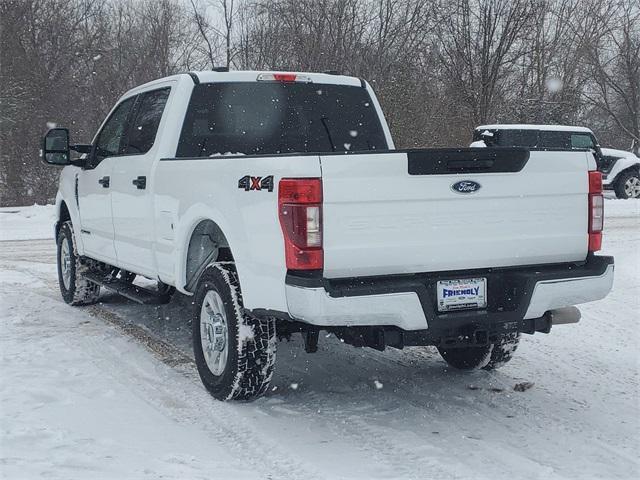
[{"x": 273, "y": 118}]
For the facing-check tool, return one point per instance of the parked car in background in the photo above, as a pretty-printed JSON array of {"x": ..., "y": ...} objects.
[
  {"x": 620, "y": 172},
  {"x": 543, "y": 137},
  {"x": 620, "y": 169}
]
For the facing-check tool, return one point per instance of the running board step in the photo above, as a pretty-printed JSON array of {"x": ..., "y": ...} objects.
[{"x": 128, "y": 290}]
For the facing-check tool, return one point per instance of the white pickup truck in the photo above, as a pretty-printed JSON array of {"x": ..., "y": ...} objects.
[{"x": 277, "y": 200}]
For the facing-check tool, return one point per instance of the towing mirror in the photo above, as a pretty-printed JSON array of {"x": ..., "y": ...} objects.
[{"x": 55, "y": 147}]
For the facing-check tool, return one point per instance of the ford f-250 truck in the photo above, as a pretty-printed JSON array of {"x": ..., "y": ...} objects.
[{"x": 278, "y": 202}]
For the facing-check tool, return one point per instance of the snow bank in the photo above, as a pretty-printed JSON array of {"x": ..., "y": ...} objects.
[
  {"x": 27, "y": 223},
  {"x": 616, "y": 208}
]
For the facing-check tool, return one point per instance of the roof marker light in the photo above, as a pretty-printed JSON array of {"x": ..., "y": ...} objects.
[{"x": 284, "y": 77}]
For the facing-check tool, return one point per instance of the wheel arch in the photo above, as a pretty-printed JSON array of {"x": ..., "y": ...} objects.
[
  {"x": 207, "y": 244},
  {"x": 201, "y": 238},
  {"x": 624, "y": 165},
  {"x": 63, "y": 216}
]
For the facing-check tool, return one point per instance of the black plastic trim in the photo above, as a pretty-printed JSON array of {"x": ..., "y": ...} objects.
[
  {"x": 326, "y": 154},
  {"x": 194, "y": 77},
  {"x": 447, "y": 161},
  {"x": 305, "y": 278}
]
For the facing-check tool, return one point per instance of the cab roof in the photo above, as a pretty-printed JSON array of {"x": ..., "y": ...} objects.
[
  {"x": 212, "y": 76},
  {"x": 253, "y": 76}
]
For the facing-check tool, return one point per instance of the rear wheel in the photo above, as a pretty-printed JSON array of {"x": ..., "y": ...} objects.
[
  {"x": 234, "y": 351},
  {"x": 628, "y": 185},
  {"x": 75, "y": 289},
  {"x": 487, "y": 357}
]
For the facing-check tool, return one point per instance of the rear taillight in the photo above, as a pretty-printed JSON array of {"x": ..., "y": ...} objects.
[
  {"x": 596, "y": 211},
  {"x": 300, "y": 212}
]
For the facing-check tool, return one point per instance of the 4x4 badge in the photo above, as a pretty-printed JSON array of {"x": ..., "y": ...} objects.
[{"x": 256, "y": 183}]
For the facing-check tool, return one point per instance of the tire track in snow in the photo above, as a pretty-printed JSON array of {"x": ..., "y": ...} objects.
[
  {"x": 220, "y": 419},
  {"x": 398, "y": 460}
]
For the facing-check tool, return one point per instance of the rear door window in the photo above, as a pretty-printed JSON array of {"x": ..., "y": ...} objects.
[
  {"x": 142, "y": 133},
  {"x": 272, "y": 118}
]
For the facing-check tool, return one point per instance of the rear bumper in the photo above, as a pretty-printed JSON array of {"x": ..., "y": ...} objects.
[{"x": 518, "y": 298}]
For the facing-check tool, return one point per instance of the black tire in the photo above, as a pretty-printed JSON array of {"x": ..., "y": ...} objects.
[
  {"x": 621, "y": 184},
  {"x": 78, "y": 290},
  {"x": 488, "y": 357},
  {"x": 251, "y": 342}
]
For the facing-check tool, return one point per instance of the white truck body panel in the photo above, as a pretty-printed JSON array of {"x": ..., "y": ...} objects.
[
  {"x": 96, "y": 218},
  {"x": 209, "y": 191},
  {"x": 381, "y": 220}
]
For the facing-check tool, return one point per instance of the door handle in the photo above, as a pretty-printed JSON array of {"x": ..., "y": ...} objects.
[
  {"x": 140, "y": 182},
  {"x": 104, "y": 181}
]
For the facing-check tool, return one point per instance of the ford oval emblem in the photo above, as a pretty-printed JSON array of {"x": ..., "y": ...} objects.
[{"x": 465, "y": 186}]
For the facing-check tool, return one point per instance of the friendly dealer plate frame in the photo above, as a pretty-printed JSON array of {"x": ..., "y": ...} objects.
[{"x": 471, "y": 299}]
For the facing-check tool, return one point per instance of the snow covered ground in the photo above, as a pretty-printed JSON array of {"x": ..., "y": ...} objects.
[
  {"x": 110, "y": 391},
  {"x": 26, "y": 223}
]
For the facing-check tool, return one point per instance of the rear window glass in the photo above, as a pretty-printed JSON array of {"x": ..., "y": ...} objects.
[{"x": 273, "y": 118}]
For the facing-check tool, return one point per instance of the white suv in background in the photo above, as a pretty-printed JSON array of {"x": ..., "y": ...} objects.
[
  {"x": 620, "y": 172},
  {"x": 620, "y": 169}
]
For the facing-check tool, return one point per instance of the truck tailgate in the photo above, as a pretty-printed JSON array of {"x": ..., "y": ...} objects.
[{"x": 379, "y": 219}]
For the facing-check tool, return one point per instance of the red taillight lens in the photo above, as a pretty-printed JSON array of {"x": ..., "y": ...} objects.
[
  {"x": 284, "y": 77},
  {"x": 595, "y": 182},
  {"x": 596, "y": 211},
  {"x": 300, "y": 212}
]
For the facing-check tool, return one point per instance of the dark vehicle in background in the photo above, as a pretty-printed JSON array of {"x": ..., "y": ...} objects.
[{"x": 620, "y": 169}]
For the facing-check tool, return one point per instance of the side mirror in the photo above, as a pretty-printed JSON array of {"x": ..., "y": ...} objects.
[
  {"x": 488, "y": 138},
  {"x": 55, "y": 147}
]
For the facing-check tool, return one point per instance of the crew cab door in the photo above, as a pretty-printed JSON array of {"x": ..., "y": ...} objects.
[
  {"x": 95, "y": 185},
  {"x": 131, "y": 197}
]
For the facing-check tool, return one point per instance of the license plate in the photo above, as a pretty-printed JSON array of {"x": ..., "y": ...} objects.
[{"x": 463, "y": 294}]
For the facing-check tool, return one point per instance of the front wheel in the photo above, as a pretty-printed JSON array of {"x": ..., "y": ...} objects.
[
  {"x": 235, "y": 352},
  {"x": 628, "y": 185},
  {"x": 75, "y": 289},
  {"x": 487, "y": 357}
]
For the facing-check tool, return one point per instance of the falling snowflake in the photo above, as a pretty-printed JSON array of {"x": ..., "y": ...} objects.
[{"x": 554, "y": 84}]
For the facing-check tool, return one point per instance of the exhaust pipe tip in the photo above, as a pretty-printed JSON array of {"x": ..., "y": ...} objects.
[{"x": 560, "y": 316}]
